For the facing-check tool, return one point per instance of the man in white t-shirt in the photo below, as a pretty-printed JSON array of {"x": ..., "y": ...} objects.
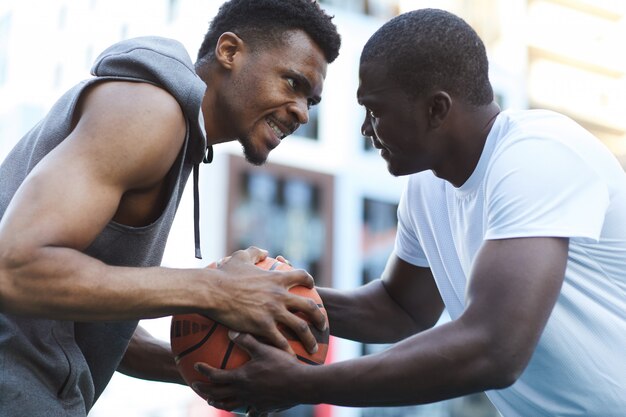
[{"x": 515, "y": 221}]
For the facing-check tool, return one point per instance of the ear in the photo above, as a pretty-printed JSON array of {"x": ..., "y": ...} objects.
[
  {"x": 227, "y": 47},
  {"x": 440, "y": 103}
]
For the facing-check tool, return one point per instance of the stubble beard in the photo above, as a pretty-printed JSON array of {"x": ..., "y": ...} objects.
[{"x": 250, "y": 152}]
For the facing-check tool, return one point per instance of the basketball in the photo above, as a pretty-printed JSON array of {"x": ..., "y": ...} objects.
[{"x": 197, "y": 338}]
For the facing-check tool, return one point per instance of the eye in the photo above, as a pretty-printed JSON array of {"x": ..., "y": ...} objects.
[
  {"x": 370, "y": 113},
  {"x": 292, "y": 82}
]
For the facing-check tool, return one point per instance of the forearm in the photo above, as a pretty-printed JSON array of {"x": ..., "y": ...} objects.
[
  {"x": 510, "y": 295},
  {"x": 383, "y": 320},
  {"x": 62, "y": 283},
  {"x": 438, "y": 364},
  {"x": 149, "y": 358}
]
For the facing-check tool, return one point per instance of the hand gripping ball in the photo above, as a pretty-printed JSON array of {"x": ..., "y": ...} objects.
[{"x": 197, "y": 338}]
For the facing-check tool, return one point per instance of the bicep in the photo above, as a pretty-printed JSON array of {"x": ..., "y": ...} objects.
[
  {"x": 122, "y": 141},
  {"x": 512, "y": 290},
  {"x": 414, "y": 290}
]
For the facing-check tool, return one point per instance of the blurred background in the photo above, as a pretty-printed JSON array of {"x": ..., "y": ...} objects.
[{"x": 325, "y": 199}]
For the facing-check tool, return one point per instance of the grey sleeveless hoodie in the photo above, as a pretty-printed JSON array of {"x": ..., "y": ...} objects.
[{"x": 59, "y": 368}]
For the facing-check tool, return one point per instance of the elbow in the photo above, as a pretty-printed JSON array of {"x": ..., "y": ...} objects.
[
  {"x": 496, "y": 356},
  {"x": 12, "y": 262},
  {"x": 505, "y": 366},
  {"x": 503, "y": 378}
]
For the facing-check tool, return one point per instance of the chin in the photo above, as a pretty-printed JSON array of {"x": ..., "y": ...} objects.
[
  {"x": 254, "y": 157},
  {"x": 399, "y": 171},
  {"x": 394, "y": 170},
  {"x": 252, "y": 154},
  {"x": 256, "y": 161}
]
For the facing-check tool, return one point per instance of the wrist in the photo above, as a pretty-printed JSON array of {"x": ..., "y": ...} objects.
[
  {"x": 308, "y": 384},
  {"x": 196, "y": 292},
  {"x": 208, "y": 293}
]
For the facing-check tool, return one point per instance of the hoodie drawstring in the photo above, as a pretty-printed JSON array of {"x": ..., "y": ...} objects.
[{"x": 207, "y": 159}]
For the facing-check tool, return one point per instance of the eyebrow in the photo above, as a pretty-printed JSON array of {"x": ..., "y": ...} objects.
[
  {"x": 306, "y": 85},
  {"x": 359, "y": 96}
]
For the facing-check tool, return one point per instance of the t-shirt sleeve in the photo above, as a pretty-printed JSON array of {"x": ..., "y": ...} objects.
[
  {"x": 542, "y": 188},
  {"x": 407, "y": 246}
]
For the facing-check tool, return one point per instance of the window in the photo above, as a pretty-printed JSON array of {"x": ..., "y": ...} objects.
[
  {"x": 5, "y": 28},
  {"x": 173, "y": 8},
  {"x": 311, "y": 129},
  {"x": 286, "y": 210}
]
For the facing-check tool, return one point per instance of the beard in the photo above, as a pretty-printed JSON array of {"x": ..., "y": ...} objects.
[{"x": 250, "y": 152}]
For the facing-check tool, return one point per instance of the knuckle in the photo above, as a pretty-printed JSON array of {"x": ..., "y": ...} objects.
[
  {"x": 282, "y": 343},
  {"x": 272, "y": 307},
  {"x": 266, "y": 322},
  {"x": 311, "y": 304},
  {"x": 308, "y": 279},
  {"x": 277, "y": 291},
  {"x": 301, "y": 326}
]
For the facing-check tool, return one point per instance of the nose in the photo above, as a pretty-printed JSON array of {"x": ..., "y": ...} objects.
[
  {"x": 300, "y": 110},
  {"x": 366, "y": 128}
]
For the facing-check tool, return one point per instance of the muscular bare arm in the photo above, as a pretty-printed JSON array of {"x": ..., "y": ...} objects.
[
  {"x": 403, "y": 302},
  {"x": 149, "y": 358},
  {"x": 112, "y": 166},
  {"x": 116, "y": 147},
  {"x": 513, "y": 287}
]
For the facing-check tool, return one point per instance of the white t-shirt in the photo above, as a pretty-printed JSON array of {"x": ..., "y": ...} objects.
[{"x": 540, "y": 174}]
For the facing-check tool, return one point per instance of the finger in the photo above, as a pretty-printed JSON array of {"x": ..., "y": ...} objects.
[
  {"x": 214, "y": 392},
  {"x": 278, "y": 339},
  {"x": 253, "y": 347},
  {"x": 229, "y": 405},
  {"x": 254, "y": 413},
  {"x": 300, "y": 329},
  {"x": 254, "y": 254},
  {"x": 281, "y": 258},
  {"x": 221, "y": 262},
  {"x": 310, "y": 309},
  {"x": 297, "y": 277},
  {"x": 214, "y": 375}
]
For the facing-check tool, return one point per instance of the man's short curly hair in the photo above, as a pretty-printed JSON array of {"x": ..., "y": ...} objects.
[
  {"x": 264, "y": 22},
  {"x": 431, "y": 48}
]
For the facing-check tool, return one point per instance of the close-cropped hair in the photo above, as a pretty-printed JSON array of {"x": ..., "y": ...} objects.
[
  {"x": 264, "y": 23},
  {"x": 429, "y": 49}
]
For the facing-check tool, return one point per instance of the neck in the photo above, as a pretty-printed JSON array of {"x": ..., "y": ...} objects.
[
  {"x": 470, "y": 133},
  {"x": 213, "y": 132}
]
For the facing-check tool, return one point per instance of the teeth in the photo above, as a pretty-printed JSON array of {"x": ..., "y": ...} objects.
[{"x": 281, "y": 135}]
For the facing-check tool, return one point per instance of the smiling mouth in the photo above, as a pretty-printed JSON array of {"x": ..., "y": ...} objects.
[{"x": 279, "y": 133}]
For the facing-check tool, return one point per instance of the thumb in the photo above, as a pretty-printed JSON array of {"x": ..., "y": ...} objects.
[
  {"x": 232, "y": 335},
  {"x": 245, "y": 341}
]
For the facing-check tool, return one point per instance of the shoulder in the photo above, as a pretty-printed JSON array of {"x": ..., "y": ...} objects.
[
  {"x": 136, "y": 127},
  {"x": 145, "y": 53},
  {"x": 538, "y": 140},
  {"x": 131, "y": 105}
]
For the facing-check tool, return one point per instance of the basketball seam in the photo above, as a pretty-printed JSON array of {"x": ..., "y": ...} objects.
[
  {"x": 307, "y": 360},
  {"x": 190, "y": 349},
  {"x": 229, "y": 350}
]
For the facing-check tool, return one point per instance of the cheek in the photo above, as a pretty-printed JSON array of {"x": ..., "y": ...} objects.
[
  {"x": 400, "y": 133},
  {"x": 377, "y": 127},
  {"x": 385, "y": 132}
]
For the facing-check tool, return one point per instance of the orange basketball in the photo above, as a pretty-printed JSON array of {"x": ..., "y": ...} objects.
[{"x": 197, "y": 338}]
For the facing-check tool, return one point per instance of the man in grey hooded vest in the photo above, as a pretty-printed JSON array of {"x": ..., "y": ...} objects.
[{"x": 88, "y": 196}]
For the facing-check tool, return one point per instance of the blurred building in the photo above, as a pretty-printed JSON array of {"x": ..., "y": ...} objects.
[{"x": 326, "y": 194}]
